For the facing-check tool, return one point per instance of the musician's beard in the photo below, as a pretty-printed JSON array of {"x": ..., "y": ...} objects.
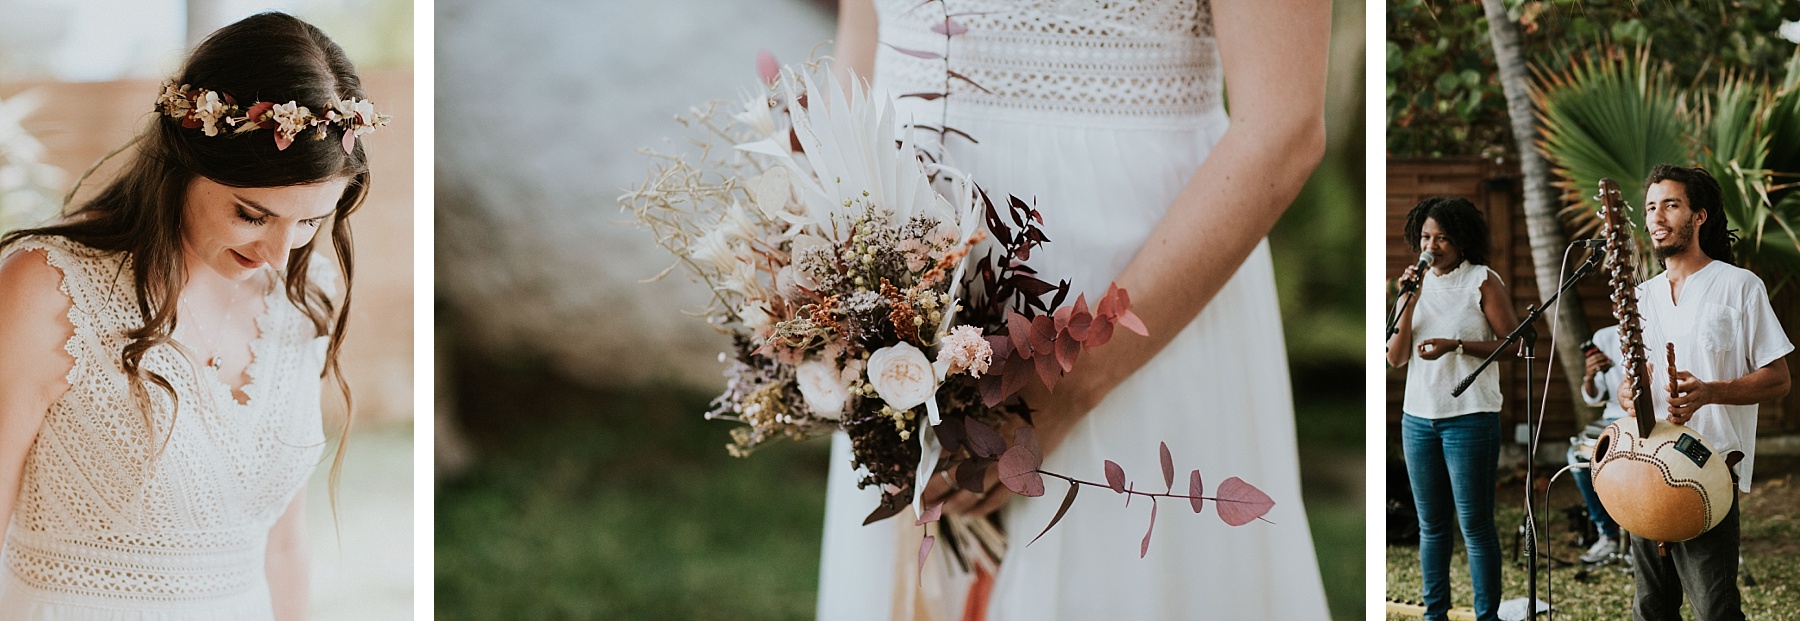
[{"x": 1676, "y": 243}]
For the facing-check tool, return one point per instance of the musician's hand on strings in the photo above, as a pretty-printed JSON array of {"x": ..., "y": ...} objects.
[
  {"x": 1432, "y": 349},
  {"x": 1688, "y": 396}
]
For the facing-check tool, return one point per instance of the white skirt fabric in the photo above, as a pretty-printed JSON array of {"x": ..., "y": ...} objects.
[
  {"x": 1219, "y": 395},
  {"x": 21, "y": 602}
]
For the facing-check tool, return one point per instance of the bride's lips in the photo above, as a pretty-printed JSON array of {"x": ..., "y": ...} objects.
[{"x": 244, "y": 261}]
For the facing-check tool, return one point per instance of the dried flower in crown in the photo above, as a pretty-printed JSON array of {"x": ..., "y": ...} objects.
[{"x": 203, "y": 109}]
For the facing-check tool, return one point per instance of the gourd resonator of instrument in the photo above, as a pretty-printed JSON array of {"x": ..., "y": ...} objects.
[{"x": 1658, "y": 480}]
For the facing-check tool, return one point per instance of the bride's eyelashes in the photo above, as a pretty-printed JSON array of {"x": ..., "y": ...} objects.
[
  {"x": 255, "y": 220},
  {"x": 264, "y": 219}
]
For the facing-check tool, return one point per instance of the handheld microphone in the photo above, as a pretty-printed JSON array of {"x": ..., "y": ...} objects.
[{"x": 1425, "y": 259}]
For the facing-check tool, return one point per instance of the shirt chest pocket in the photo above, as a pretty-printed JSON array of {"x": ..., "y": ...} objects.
[{"x": 1717, "y": 329}]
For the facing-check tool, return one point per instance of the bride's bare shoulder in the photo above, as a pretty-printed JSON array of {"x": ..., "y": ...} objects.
[{"x": 33, "y": 308}]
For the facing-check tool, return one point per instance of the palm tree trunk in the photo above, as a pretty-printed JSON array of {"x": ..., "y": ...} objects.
[{"x": 1541, "y": 224}]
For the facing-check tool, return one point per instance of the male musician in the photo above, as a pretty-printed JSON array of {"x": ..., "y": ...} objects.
[
  {"x": 1600, "y": 381},
  {"x": 1729, "y": 356}
]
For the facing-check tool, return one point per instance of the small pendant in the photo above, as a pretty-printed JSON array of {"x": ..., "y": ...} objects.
[{"x": 213, "y": 363}]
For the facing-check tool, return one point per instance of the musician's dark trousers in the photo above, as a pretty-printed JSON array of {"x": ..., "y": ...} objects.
[{"x": 1705, "y": 568}]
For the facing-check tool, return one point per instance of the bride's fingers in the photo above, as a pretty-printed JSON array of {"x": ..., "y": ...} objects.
[
  {"x": 991, "y": 503},
  {"x": 960, "y": 501}
]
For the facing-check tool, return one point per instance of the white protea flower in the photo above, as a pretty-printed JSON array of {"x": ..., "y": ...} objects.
[{"x": 847, "y": 156}]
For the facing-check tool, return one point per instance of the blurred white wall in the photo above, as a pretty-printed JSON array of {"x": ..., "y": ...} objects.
[{"x": 541, "y": 107}]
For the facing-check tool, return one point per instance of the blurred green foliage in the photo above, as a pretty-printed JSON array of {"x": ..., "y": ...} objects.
[
  {"x": 1443, "y": 93},
  {"x": 1318, "y": 245}
]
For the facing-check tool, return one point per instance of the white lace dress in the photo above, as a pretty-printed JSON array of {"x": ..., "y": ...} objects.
[
  {"x": 105, "y": 528},
  {"x": 1102, "y": 112}
]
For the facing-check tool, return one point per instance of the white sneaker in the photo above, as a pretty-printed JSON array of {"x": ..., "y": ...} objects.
[{"x": 1603, "y": 549}]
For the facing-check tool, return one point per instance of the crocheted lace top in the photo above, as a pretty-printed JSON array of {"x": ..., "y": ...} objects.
[
  {"x": 1130, "y": 63},
  {"x": 173, "y": 516}
]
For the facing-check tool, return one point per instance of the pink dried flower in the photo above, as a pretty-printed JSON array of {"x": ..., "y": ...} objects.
[{"x": 965, "y": 350}]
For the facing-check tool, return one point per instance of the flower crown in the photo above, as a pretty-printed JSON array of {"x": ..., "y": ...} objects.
[{"x": 205, "y": 109}]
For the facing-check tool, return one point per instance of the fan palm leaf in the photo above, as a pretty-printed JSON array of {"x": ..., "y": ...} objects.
[{"x": 1607, "y": 115}]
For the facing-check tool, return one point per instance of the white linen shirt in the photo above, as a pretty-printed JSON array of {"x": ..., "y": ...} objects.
[
  {"x": 1607, "y": 382},
  {"x": 1723, "y": 328}
]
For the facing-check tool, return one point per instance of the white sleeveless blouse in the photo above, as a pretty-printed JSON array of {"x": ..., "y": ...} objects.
[
  {"x": 116, "y": 521},
  {"x": 1449, "y": 307}
]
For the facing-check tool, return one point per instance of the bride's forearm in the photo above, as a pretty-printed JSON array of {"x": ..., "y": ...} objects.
[
  {"x": 1273, "y": 54},
  {"x": 1226, "y": 209}
]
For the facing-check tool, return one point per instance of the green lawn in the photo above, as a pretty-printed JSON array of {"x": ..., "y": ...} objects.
[
  {"x": 1771, "y": 549},
  {"x": 623, "y": 505}
]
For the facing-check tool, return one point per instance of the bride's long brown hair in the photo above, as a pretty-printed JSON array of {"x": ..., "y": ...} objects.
[{"x": 266, "y": 57}]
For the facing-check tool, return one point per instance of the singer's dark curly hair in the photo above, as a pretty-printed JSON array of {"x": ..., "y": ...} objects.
[
  {"x": 1460, "y": 220},
  {"x": 1715, "y": 235}
]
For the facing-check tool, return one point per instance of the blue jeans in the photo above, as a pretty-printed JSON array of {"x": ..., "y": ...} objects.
[
  {"x": 1584, "y": 480},
  {"x": 1452, "y": 465}
]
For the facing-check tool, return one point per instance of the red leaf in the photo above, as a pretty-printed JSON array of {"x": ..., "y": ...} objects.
[
  {"x": 1099, "y": 333},
  {"x": 965, "y": 78},
  {"x": 1027, "y": 437},
  {"x": 983, "y": 440},
  {"x": 1043, "y": 335},
  {"x": 1144, "y": 549},
  {"x": 766, "y": 67},
  {"x": 1115, "y": 477},
  {"x": 1067, "y": 500},
  {"x": 1131, "y": 487},
  {"x": 1079, "y": 318},
  {"x": 1131, "y": 322},
  {"x": 1018, "y": 470},
  {"x": 256, "y": 112},
  {"x": 1168, "y": 464},
  {"x": 972, "y": 475},
  {"x": 282, "y": 142},
  {"x": 1048, "y": 370},
  {"x": 915, "y": 53},
  {"x": 1018, "y": 373},
  {"x": 1019, "y": 329},
  {"x": 992, "y": 390},
  {"x": 349, "y": 143},
  {"x": 932, "y": 513},
  {"x": 1240, "y": 502},
  {"x": 1062, "y": 318},
  {"x": 949, "y": 28},
  {"x": 924, "y": 552},
  {"x": 1067, "y": 349},
  {"x": 1194, "y": 490},
  {"x": 1001, "y": 345},
  {"x": 924, "y": 96}
]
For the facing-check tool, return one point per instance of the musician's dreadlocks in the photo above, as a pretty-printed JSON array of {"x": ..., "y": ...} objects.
[
  {"x": 1715, "y": 236},
  {"x": 1460, "y": 220}
]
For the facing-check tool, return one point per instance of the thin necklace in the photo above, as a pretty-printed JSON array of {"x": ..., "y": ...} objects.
[{"x": 212, "y": 361}]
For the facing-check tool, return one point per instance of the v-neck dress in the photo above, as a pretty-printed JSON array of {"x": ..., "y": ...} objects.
[{"x": 125, "y": 514}]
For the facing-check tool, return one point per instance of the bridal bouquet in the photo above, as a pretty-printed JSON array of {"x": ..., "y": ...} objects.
[{"x": 869, "y": 288}]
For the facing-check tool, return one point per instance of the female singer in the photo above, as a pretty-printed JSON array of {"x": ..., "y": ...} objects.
[{"x": 1452, "y": 444}]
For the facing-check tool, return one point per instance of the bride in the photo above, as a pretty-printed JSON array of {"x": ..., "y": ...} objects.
[
  {"x": 1112, "y": 116},
  {"x": 162, "y": 348}
]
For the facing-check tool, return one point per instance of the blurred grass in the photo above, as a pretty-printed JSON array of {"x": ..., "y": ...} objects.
[
  {"x": 1770, "y": 545},
  {"x": 592, "y": 504}
]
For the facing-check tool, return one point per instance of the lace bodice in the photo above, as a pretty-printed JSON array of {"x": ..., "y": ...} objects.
[
  {"x": 1123, "y": 63},
  {"x": 174, "y": 516}
]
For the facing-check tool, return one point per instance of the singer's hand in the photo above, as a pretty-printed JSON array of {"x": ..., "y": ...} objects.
[
  {"x": 1689, "y": 396},
  {"x": 1432, "y": 349},
  {"x": 1409, "y": 279}
]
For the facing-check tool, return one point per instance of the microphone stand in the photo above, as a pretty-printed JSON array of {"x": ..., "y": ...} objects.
[
  {"x": 1393, "y": 322},
  {"x": 1526, "y": 335}
]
